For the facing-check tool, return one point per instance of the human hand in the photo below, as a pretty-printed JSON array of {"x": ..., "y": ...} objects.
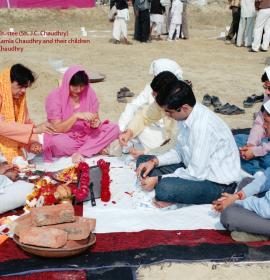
[
  {"x": 124, "y": 137},
  {"x": 149, "y": 183},
  {"x": 223, "y": 202},
  {"x": 4, "y": 167},
  {"x": 35, "y": 148},
  {"x": 95, "y": 123},
  {"x": 144, "y": 168},
  {"x": 136, "y": 153},
  {"x": 45, "y": 127},
  {"x": 246, "y": 152},
  {"x": 87, "y": 116}
]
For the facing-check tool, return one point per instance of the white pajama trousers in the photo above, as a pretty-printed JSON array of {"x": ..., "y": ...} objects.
[
  {"x": 119, "y": 28},
  {"x": 262, "y": 23},
  {"x": 245, "y": 31},
  {"x": 173, "y": 27}
]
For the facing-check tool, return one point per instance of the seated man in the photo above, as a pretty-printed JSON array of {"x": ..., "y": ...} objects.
[
  {"x": 12, "y": 194},
  {"x": 16, "y": 128},
  {"x": 249, "y": 213},
  {"x": 205, "y": 161},
  {"x": 255, "y": 147},
  {"x": 143, "y": 124},
  {"x": 150, "y": 136}
]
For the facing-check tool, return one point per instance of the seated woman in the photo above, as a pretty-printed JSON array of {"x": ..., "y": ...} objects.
[
  {"x": 150, "y": 136},
  {"x": 17, "y": 131},
  {"x": 72, "y": 109}
]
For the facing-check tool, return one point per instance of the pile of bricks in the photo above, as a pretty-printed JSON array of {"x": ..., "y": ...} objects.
[{"x": 52, "y": 226}]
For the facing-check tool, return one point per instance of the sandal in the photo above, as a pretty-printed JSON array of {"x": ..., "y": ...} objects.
[
  {"x": 232, "y": 110},
  {"x": 125, "y": 93},
  {"x": 251, "y": 100},
  {"x": 223, "y": 107},
  {"x": 215, "y": 101},
  {"x": 207, "y": 100},
  {"x": 121, "y": 99}
]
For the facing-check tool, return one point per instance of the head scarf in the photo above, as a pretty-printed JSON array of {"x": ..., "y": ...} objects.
[
  {"x": 165, "y": 64},
  {"x": 59, "y": 104},
  {"x": 12, "y": 112}
]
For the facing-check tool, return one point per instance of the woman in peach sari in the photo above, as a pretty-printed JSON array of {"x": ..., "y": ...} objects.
[{"x": 72, "y": 109}]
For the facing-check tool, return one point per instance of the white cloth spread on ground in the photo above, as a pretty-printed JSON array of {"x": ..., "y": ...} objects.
[{"x": 130, "y": 209}]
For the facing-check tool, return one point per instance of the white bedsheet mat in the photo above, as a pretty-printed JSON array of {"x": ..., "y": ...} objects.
[{"x": 130, "y": 209}]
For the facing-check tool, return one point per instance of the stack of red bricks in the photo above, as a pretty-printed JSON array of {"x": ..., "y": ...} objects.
[{"x": 52, "y": 226}]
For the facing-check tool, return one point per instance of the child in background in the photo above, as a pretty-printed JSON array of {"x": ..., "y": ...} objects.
[
  {"x": 119, "y": 24},
  {"x": 176, "y": 19}
]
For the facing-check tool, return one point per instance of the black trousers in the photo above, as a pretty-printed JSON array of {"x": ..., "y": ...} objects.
[
  {"x": 236, "y": 13},
  {"x": 143, "y": 26}
]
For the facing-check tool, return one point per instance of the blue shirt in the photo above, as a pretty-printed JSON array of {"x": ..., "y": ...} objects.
[{"x": 261, "y": 183}]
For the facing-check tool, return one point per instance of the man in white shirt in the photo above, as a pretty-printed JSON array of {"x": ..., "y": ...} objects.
[
  {"x": 205, "y": 161},
  {"x": 12, "y": 194}
]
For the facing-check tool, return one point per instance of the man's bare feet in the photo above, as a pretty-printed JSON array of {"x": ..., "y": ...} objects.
[
  {"x": 76, "y": 158},
  {"x": 161, "y": 204}
]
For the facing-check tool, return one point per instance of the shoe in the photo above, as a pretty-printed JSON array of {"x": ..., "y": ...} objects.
[
  {"x": 259, "y": 98},
  {"x": 249, "y": 102},
  {"x": 232, "y": 110},
  {"x": 247, "y": 237},
  {"x": 215, "y": 101},
  {"x": 251, "y": 50},
  {"x": 125, "y": 93},
  {"x": 262, "y": 50},
  {"x": 207, "y": 100},
  {"x": 223, "y": 107}
]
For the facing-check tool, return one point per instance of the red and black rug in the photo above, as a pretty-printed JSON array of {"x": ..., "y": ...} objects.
[{"x": 121, "y": 253}]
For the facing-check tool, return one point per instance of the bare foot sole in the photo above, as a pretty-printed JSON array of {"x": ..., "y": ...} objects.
[
  {"x": 76, "y": 158},
  {"x": 162, "y": 204}
]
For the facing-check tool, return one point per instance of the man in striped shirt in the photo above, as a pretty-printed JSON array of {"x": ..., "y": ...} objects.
[{"x": 205, "y": 161}]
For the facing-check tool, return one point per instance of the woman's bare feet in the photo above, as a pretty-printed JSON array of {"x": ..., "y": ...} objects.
[
  {"x": 76, "y": 158},
  {"x": 161, "y": 204}
]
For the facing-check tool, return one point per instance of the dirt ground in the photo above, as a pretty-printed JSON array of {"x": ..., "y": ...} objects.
[{"x": 216, "y": 68}]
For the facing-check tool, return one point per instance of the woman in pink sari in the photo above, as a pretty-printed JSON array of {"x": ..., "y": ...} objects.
[{"x": 73, "y": 110}]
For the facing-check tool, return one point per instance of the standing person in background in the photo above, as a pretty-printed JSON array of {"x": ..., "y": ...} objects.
[
  {"x": 235, "y": 6},
  {"x": 156, "y": 19},
  {"x": 246, "y": 24},
  {"x": 262, "y": 23},
  {"x": 184, "y": 34},
  {"x": 136, "y": 23},
  {"x": 176, "y": 19},
  {"x": 119, "y": 24},
  {"x": 167, "y": 5},
  {"x": 142, "y": 11}
]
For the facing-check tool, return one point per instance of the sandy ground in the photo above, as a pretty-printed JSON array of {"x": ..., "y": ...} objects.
[{"x": 224, "y": 70}]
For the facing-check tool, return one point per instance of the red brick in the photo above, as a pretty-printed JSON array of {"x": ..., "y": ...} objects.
[
  {"x": 20, "y": 223},
  {"x": 54, "y": 214},
  {"x": 43, "y": 237},
  {"x": 78, "y": 230}
]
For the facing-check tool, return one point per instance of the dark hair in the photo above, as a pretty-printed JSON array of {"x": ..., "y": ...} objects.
[
  {"x": 175, "y": 95},
  {"x": 264, "y": 78},
  {"x": 22, "y": 75},
  {"x": 80, "y": 78},
  {"x": 162, "y": 80}
]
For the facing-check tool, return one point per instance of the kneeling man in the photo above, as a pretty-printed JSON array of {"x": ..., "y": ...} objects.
[{"x": 205, "y": 161}]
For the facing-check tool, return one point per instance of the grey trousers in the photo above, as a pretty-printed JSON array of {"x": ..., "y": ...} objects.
[
  {"x": 237, "y": 218},
  {"x": 184, "y": 27}
]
